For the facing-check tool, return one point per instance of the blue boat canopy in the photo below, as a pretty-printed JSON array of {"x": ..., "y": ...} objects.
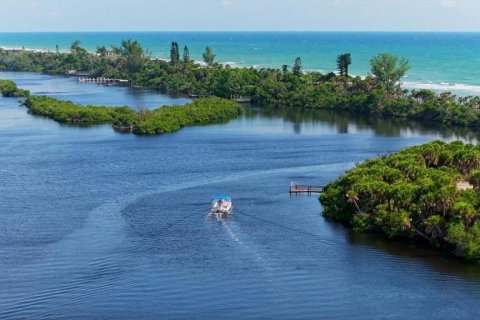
[{"x": 221, "y": 197}]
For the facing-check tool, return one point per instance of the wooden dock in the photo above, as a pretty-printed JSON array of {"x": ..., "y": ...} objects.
[
  {"x": 302, "y": 188},
  {"x": 105, "y": 81}
]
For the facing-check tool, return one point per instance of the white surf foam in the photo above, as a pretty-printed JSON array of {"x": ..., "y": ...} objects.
[{"x": 443, "y": 86}]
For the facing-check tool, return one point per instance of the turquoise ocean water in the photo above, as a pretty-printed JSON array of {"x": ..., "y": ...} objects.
[{"x": 440, "y": 61}]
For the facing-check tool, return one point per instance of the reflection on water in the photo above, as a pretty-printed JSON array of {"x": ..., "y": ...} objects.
[
  {"x": 344, "y": 123},
  {"x": 67, "y": 88},
  {"x": 437, "y": 260}
]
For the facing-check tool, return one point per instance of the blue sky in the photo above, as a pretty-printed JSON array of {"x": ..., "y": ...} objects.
[{"x": 240, "y": 15}]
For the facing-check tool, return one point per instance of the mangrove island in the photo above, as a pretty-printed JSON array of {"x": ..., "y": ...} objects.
[
  {"x": 145, "y": 122},
  {"x": 427, "y": 193}
]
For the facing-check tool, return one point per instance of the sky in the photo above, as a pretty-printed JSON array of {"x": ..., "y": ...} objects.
[{"x": 239, "y": 15}]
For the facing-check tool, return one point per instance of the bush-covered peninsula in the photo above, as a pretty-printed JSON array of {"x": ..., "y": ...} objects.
[
  {"x": 145, "y": 122},
  {"x": 424, "y": 193},
  {"x": 379, "y": 94},
  {"x": 9, "y": 89}
]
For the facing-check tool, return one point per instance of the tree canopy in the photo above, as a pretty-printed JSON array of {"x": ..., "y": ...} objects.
[
  {"x": 174, "y": 53},
  {"x": 297, "y": 66},
  {"x": 144, "y": 122},
  {"x": 388, "y": 70},
  {"x": 9, "y": 88},
  {"x": 133, "y": 57},
  {"x": 343, "y": 62},
  {"x": 209, "y": 56},
  {"x": 413, "y": 194},
  {"x": 186, "y": 54}
]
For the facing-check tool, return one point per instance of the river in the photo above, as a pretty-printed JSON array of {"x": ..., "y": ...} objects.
[{"x": 98, "y": 224}]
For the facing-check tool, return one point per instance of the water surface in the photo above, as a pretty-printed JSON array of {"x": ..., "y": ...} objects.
[{"x": 97, "y": 224}]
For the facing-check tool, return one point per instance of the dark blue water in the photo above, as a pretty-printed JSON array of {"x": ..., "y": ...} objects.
[{"x": 96, "y": 224}]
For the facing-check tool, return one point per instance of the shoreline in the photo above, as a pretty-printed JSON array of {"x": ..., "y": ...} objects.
[
  {"x": 392, "y": 196},
  {"x": 291, "y": 87},
  {"x": 459, "y": 89}
]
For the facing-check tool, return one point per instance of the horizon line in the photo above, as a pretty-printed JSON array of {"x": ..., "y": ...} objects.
[{"x": 244, "y": 31}]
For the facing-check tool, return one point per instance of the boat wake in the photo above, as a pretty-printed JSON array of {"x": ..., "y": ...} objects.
[{"x": 246, "y": 247}]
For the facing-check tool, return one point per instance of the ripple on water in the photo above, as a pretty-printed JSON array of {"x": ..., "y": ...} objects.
[{"x": 101, "y": 225}]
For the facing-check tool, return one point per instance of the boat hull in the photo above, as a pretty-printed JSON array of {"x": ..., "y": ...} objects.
[
  {"x": 221, "y": 213},
  {"x": 221, "y": 206}
]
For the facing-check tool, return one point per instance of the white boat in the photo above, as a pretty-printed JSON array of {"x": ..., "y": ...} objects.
[{"x": 221, "y": 206}]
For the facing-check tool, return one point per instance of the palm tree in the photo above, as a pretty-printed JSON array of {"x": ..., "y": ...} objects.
[
  {"x": 432, "y": 156},
  {"x": 466, "y": 160},
  {"x": 433, "y": 227},
  {"x": 474, "y": 179},
  {"x": 352, "y": 197}
]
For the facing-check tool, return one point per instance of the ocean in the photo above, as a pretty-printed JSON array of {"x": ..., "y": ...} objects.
[{"x": 439, "y": 61}]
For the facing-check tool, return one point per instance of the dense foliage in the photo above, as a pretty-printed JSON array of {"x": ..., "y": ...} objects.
[
  {"x": 162, "y": 120},
  {"x": 378, "y": 94},
  {"x": 9, "y": 89},
  {"x": 414, "y": 194},
  {"x": 388, "y": 70}
]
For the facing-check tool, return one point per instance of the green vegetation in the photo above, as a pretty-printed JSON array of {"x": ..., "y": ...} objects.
[
  {"x": 388, "y": 70},
  {"x": 146, "y": 122},
  {"x": 297, "y": 66},
  {"x": 9, "y": 89},
  {"x": 378, "y": 95},
  {"x": 174, "y": 53},
  {"x": 186, "y": 54},
  {"x": 343, "y": 62},
  {"x": 209, "y": 56},
  {"x": 413, "y": 194}
]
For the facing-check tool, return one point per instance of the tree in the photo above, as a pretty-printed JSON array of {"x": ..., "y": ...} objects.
[
  {"x": 77, "y": 49},
  {"x": 352, "y": 197},
  {"x": 285, "y": 68},
  {"x": 186, "y": 54},
  {"x": 102, "y": 51},
  {"x": 388, "y": 70},
  {"x": 174, "y": 53},
  {"x": 474, "y": 179},
  {"x": 297, "y": 67},
  {"x": 434, "y": 226},
  {"x": 208, "y": 56},
  {"x": 132, "y": 54},
  {"x": 76, "y": 46},
  {"x": 343, "y": 61}
]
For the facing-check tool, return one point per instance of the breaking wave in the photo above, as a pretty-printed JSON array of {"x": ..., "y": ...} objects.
[{"x": 443, "y": 86}]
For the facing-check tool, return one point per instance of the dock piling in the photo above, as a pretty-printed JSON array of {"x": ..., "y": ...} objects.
[{"x": 308, "y": 189}]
